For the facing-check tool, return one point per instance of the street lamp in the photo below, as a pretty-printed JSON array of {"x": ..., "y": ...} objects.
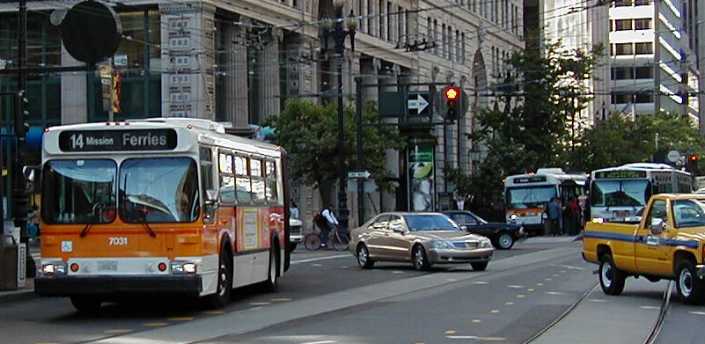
[{"x": 335, "y": 28}]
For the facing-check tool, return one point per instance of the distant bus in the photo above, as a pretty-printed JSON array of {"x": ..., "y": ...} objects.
[
  {"x": 159, "y": 206},
  {"x": 618, "y": 194},
  {"x": 527, "y": 195}
]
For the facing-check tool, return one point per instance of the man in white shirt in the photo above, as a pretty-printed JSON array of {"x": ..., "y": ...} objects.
[{"x": 331, "y": 223}]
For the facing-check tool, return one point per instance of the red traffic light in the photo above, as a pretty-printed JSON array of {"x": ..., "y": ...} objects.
[
  {"x": 693, "y": 157},
  {"x": 452, "y": 93}
]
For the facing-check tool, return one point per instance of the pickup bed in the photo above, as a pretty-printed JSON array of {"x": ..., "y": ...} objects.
[{"x": 666, "y": 244}]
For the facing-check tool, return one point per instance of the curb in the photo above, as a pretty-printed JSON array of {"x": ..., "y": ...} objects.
[{"x": 19, "y": 295}]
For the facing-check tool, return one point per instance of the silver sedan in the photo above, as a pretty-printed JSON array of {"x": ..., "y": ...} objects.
[{"x": 424, "y": 239}]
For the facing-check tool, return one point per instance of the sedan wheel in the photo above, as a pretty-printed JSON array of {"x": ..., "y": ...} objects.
[
  {"x": 363, "y": 257},
  {"x": 420, "y": 259},
  {"x": 505, "y": 241}
]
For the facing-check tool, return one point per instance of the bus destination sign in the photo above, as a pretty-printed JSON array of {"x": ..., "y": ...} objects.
[
  {"x": 626, "y": 174},
  {"x": 528, "y": 180},
  {"x": 117, "y": 140}
]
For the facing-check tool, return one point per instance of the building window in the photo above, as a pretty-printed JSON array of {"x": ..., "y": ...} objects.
[
  {"x": 622, "y": 3},
  {"x": 623, "y": 24},
  {"x": 444, "y": 41},
  {"x": 622, "y": 73},
  {"x": 370, "y": 11},
  {"x": 380, "y": 15},
  {"x": 642, "y": 2},
  {"x": 621, "y": 49},
  {"x": 644, "y": 48},
  {"x": 644, "y": 72},
  {"x": 642, "y": 24},
  {"x": 390, "y": 34},
  {"x": 643, "y": 98},
  {"x": 435, "y": 37}
]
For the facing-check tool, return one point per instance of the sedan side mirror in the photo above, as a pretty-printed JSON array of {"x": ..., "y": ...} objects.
[
  {"x": 397, "y": 229},
  {"x": 657, "y": 226},
  {"x": 464, "y": 227}
]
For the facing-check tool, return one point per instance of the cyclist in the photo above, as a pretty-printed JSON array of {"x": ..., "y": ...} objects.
[{"x": 331, "y": 223}]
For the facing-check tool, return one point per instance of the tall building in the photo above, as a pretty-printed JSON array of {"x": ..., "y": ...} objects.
[
  {"x": 581, "y": 26},
  {"x": 654, "y": 66},
  {"x": 238, "y": 62}
]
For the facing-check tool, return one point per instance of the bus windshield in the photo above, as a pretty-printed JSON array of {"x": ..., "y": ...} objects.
[
  {"x": 619, "y": 193},
  {"x": 530, "y": 197},
  {"x": 159, "y": 190},
  {"x": 79, "y": 191}
]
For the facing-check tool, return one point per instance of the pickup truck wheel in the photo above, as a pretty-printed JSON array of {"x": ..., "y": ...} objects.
[
  {"x": 611, "y": 278},
  {"x": 689, "y": 286},
  {"x": 505, "y": 241}
]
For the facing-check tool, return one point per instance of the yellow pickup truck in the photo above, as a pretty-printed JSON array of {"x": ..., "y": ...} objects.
[{"x": 668, "y": 243}]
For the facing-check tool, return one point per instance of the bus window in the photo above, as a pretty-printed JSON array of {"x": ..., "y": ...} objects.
[
  {"x": 272, "y": 195},
  {"x": 159, "y": 190},
  {"x": 242, "y": 180},
  {"x": 227, "y": 180},
  {"x": 530, "y": 197},
  {"x": 613, "y": 193},
  {"x": 258, "y": 194},
  {"x": 206, "y": 157},
  {"x": 79, "y": 191}
]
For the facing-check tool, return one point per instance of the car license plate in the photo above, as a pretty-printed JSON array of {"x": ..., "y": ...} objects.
[{"x": 107, "y": 265}]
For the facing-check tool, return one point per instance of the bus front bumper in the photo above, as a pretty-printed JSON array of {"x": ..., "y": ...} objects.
[{"x": 112, "y": 285}]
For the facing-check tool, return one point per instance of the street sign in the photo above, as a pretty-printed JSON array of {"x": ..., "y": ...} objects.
[
  {"x": 418, "y": 104},
  {"x": 359, "y": 174},
  {"x": 674, "y": 156}
]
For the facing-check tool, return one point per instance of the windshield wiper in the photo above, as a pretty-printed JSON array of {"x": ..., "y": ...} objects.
[
  {"x": 85, "y": 229},
  {"x": 148, "y": 227}
]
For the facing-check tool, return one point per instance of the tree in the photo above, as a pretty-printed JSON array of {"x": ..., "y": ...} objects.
[
  {"x": 309, "y": 133},
  {"x": 620, "y": 140},
  {"x": 536, "y": 128}
]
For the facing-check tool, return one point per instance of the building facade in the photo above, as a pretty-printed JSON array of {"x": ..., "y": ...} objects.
[
  {"x": 237, "y": 62},
  {"x": 654, "y": 65}
]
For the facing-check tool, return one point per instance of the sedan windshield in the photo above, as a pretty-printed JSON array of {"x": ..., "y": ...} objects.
[
  {"x": 159, "y": 190},
  {"x": 429, "y": 222},
  {"x": 79, "y": 191}
]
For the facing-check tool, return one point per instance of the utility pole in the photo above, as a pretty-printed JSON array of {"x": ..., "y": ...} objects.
[{"x": 360, "y": 164}]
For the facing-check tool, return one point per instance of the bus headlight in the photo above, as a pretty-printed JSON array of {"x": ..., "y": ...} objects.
[
  {"x": 182, "y": 267},
  {"x": 54, "y": 268}
]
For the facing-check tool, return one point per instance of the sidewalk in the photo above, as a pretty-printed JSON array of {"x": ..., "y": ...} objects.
[
  {"x": 552, "y": 239},
  {"x": 18, "y": 295}
]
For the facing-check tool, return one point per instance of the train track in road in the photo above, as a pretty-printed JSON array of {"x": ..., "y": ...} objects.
[{"x": 653, "y": 333}]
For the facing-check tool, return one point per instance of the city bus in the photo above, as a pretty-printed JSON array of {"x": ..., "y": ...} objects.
[
  {"x": 159, "y": 206},
  {"x": 527, "y": 195},
  {"x": 618, "y": 194}
]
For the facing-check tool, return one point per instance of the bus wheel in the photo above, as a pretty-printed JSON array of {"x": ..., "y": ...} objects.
[
  {"x": 86, "y": 304},
  {"x": 272, "y": 282},
  {"x": 225, "y": 280}
]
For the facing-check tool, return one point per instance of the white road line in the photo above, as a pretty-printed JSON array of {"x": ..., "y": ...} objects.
[
  {"x": 697, "y": 313},
  {"x": 554, "y": 293},
  {"x": 650, "y": 307},
  {"x": 515, "y": 286},
  {"x": 571, "y": 267},
  {"x": 485, "y": 339},
  {"x": 321, "y": 342},
  {"x": 308, "y": 260},
  {"x": 597, "y": 300},
  {"x": 479, "y": 283}
]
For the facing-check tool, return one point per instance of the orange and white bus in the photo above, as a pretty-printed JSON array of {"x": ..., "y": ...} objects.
[{"x": 159, "y": 206}]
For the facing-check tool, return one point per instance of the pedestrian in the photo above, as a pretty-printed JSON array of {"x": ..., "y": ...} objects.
[
  {"x": 294, "y": 212},
  {"x": 573, "y": 210},
  {"x": 554, "y": 216},
  {"x": 331, "y": 222}
]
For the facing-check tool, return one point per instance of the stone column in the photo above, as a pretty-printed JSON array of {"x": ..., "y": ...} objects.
[
  {"x": 74, "y": 100},
  {"x": 267, "y": 70},
  {"x": 236, "y": 79},
  {"x": 188, "y": 46}
]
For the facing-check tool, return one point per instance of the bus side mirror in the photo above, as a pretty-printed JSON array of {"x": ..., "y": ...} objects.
[
  {"x": 211, "y": 197},
  {"x": 31, "y": 174}
]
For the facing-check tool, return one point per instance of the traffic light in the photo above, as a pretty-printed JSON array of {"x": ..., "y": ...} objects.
[
  {"x": 20, "y": 209},
  {"x": 452, "y": 96},
  {"x": 692, "y": 164}
]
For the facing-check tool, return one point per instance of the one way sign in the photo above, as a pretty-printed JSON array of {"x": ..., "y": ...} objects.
[{"x": 418, "y": 104}]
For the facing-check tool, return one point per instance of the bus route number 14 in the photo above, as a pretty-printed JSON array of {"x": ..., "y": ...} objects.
[{"x": 76, "y": 140}]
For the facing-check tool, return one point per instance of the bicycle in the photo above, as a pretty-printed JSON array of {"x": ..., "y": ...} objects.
[{"x": 337, "y": 239}]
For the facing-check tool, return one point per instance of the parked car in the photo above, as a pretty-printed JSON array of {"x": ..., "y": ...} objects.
[
  {"x": 295, "y": 233},
  {"x": 503, "y": 235},
  {"x": 423, "y": 239}
]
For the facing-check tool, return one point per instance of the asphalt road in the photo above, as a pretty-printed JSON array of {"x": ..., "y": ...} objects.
[{"x": 326, "y": 299}]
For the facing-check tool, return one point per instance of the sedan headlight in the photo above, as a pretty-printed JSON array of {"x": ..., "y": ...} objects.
[
  {"x": 485, "y": 244},
  {"x": 441, "y": 244}
]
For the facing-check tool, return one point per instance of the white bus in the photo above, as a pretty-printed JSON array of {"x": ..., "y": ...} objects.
[
  {"x": 618, "y": 194},
  {"x": 159, "y": 206},
  {"x": 526, "y": 195}
]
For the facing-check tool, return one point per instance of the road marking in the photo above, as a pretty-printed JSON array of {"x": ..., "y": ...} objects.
[
  {"x": 494, "y": 311},
  {"x": 539, "y": 284},
  {"x": 316, "y": 265},
  {"x": 259, "y": 303},
  {"x": 255, "y": 308},
  {"x": 554, "y": 293},
  {"x": 570, "y": 267},
  {"x": 452, "y": 280},
  {"x": 155, "y": 324},
  {"x": 397, "y": 272},
  {"x": 214, "y": 312},
  {"x": 180, "y": 319},
  {"x": 531, "y": 290},
  {"x": 281, "y": 299},
  {"x": 597, "y": 300},
  {"x": 46, "y": 343},
  {"x": 649, "y": 307},
  {"x": 483, "y": 339},
  {"x": 450, "y": 332},
  {"x": 515, "y": 286},
  {"x": 697, "y": 313},
  {"x": 563, "y": 271},
  {"x": 548, "y": 279},
  {"x": 118, "y": 331},
  {"x": 321, "y": 342},
  {"x": 509, "y": 303},
  {"x": 555, "y": 275},
  {"x": 480, "y": 283},
  {"x": 476, "y": 321},
  {"x": 520, "y": 296},
  {"x": 319, "y": 259}
]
